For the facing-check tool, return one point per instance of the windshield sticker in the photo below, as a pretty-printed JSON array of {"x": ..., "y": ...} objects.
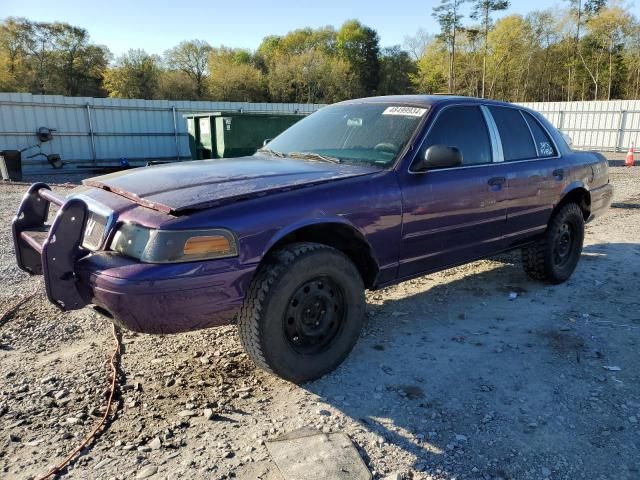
[{"x": 405, "y": 111}]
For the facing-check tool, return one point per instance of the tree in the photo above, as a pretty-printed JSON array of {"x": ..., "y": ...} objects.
[
  {"x": 606, "y": 31},
  {"x": 135, "y": 75},
  {"x": 416, "y": 44},
  {"x": 396, "y": 69},
  {"x": 77, "y": 66},
  {"x": 233, "y": 76},
  {"x": 631, "y": 58},
  {"x": 448, "y": 16},
  {"x": 176, "y": 85},
  {"x": 50, "y": 58},
  {"x": 508, "y": 68},
  {"x": 312, "y": 77},
  {"x": 432, "y": 74},
  {"x": 359, "y": 46},
  {"x": 13, "y": 54},
  {"x": 192, "y": 58},
  {"x": 482, "y": 10}
]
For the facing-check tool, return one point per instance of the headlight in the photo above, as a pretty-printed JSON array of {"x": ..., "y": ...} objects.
[{"x": 170, "y": 246}]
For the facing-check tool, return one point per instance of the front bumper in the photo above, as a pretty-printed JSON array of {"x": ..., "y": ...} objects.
[
  {"x": 161, "y": 298},
  {"x": 149, "y": 298}
]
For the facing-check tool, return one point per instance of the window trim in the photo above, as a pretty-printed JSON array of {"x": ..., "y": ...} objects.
[
  {"x": 542, "y": 126},
  {"x": 544, "y": 129},
  {"x": 433, "y": 122},
  {"x": 533, "y": 139},
  {"x": 484, "y": 106},
  {"x": 494, "y": 134}
]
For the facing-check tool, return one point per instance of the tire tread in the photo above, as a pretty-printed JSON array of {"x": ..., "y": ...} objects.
[
  {"x": 250, "y": 312},
  {"x": 534, "y": 256}
]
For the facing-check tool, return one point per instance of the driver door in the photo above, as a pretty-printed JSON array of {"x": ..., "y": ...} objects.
[{"x": 454, "y": 215}]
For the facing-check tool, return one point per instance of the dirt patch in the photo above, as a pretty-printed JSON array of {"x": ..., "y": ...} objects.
[{"x": 453, "y": 377}]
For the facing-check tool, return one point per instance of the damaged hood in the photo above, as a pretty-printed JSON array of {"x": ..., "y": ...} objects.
[{"x": 176, "y": 187}]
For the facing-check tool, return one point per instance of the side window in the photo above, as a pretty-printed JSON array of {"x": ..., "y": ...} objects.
[
  {"x": 462, "y": 127},
  {"x": 543, "y": 142},
  {"x": 517, "y": 143}
]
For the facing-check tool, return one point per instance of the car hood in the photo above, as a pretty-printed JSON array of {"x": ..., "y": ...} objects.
[{"x": 178, "y": 187}]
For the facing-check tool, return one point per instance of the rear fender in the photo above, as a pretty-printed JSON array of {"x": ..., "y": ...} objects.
[
  {"x": 576, "y": 184},
  {"x": 576, "y": 192}
]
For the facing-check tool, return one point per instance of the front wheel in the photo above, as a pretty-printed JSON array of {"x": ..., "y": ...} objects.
[
  {"x": 555, "y": 256},
  {"x": 303, "y": 312}
]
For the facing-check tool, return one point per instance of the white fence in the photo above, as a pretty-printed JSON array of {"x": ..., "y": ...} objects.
[
  {"x": 595, "y": 125},
  {"x": 101, "y": 131}
]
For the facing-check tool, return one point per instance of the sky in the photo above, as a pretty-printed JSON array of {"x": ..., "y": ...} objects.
[{"x": 156, "y": 26}]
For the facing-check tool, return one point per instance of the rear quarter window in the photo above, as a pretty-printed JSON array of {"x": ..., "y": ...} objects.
[
  {"x": 544, "y": 145},
  {"x": 515, "y": 135}
]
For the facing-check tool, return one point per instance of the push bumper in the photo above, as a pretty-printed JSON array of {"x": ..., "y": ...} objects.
[
  {"x": 148, "y": 298},
  {"x": 601, "y": 199},
  {"x": 51, "y": 250}
]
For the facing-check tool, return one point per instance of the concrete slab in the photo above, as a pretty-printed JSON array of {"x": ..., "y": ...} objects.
[{"x": 307, "y": 454}]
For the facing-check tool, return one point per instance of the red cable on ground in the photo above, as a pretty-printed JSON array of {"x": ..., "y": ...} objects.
[
  {"x": 114, "y": 376},
  {"x": 16, "y": 305}
]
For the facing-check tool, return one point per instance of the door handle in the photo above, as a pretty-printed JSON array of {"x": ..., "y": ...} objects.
[
  {"x": 496, "y": 181},
  {"x": 558, "y": 174}
]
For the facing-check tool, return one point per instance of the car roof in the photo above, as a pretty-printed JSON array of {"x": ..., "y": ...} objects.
[{"x": 425, "y": 100}]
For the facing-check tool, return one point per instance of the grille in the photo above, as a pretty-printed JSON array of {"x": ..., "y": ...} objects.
[{"x": 94, "y": 231}]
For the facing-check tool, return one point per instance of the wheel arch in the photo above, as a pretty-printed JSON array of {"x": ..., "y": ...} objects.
[
  {"x": 576, "y": 192},
  {"x": 336, "y": 233}
]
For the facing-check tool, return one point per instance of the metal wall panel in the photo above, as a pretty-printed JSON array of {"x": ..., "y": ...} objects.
[
  {"x": 104, "y": 130},
  {"x": 595, "y": 125}
]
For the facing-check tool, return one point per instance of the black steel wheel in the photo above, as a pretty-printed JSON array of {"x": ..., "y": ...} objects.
[
  {"x": 554, "y": 257},
  {"x": 564, "y": 244},
  {"x": 303, "y": 312},
  {"x": 314, "y": 315}
]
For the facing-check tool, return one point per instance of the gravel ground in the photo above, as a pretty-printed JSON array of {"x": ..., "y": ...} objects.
[{"x": 452, "y": 378}]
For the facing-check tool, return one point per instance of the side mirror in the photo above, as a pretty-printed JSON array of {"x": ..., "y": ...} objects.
[
  {"x": 439, "y": 156},
  {"x": 266, "y": 141}
]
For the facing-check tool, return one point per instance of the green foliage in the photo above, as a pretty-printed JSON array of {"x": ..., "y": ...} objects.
[
  {"x": 135, "y": 75},
  {"x": 191, "y": 58},
  {"x": 43, "y": 57},
  {"x": 450, "y": 19},
  {"x": 176, "y": 85},
  {"x": 589, "y": 50},
  {"x": 312, "y": 76},
  {"x": 396, "y": 71},
  {"x": 233, "y": 76},
  {"x": 360, "y": 47}
]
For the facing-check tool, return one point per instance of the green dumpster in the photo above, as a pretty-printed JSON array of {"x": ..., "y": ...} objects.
[{"x": 233, "y": 134}]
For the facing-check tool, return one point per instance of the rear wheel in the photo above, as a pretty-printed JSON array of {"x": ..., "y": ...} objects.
[
  {"x": 303, "y": 312},
  {"x": 555, "y": 256}
]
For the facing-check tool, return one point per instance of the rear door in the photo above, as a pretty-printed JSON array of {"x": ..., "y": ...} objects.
[
  {"x": 535, "y": 178},
  {"x": 453, "y": 215}
]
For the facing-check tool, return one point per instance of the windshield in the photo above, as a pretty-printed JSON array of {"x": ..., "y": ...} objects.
[{"x": 372, "y": 133}]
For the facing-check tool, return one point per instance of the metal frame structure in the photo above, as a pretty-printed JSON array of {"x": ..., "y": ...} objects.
[
  {"x": 102, "y": 131},
  {"x": 595, "y": 125}
]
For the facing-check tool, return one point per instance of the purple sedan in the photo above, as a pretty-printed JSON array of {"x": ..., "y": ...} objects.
[{"x": 359, "y": 195}]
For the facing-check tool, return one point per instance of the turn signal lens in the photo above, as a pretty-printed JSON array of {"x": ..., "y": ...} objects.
[{"x": 206, "y": 245}]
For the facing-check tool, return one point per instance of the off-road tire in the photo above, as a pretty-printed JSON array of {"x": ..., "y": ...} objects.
[
  {"x": 262, "y": 326},
  {"x": 540, "y": 258}
]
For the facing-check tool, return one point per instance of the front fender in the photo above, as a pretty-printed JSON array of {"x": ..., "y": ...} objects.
[{"x": 310, "y": 222}]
